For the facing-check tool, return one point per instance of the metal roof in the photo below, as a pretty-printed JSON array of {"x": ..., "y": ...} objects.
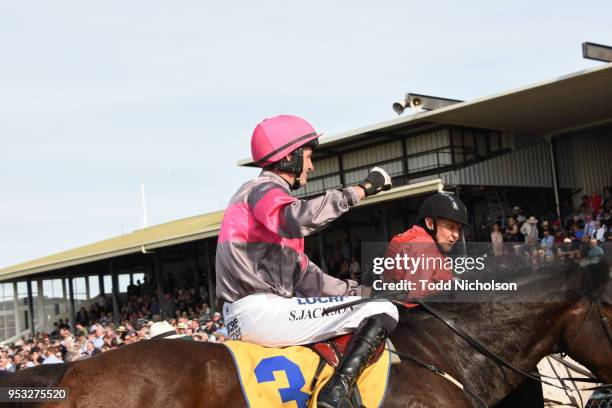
[
  {"x": 171, "y": 233},
  {"x": 552, "y": 106}
]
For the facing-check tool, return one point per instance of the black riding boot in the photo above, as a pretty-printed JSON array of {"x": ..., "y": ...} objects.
[{"x": 336, "y": 393}]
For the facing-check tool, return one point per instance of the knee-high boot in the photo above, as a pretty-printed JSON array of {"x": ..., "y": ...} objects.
[{"x": 336, "y": 393}]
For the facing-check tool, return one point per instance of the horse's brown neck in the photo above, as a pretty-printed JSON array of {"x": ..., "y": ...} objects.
[{"x": 521, "y": 333}]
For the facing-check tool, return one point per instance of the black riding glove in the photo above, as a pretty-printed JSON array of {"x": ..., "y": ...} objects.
[{"x": 378, "y": 180}]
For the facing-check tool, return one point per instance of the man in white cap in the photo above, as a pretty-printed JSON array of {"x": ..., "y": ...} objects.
[{"x": 163, "y": 330}]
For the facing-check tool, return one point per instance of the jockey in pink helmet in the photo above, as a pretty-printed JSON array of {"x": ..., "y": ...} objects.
[{"x": 273, "y": 294}]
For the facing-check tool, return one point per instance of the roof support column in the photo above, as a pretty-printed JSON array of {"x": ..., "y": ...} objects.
[
  {"x": 405, "y": 161},
  {"x": 322, "y": 252},
  {"x": 196, "y": 265},
  {"x": 65, "y": 293},
  {"x": 71, "y": 299},
  {"x": 209, "y": 278},
  {"x": 31, "y": 308},
  {"x": 555, "y": 177},
  {"x": 385, "y": 223},
  {"x": 87, "y": 289},
  {"x": 349, "y": 241},
  {"x": 40, "y": 304},
  {"x": 18, "y": 328},
  {"x": 157, "y": 267},
  {"x": 115, "y": 293},
  {"x": 101, "y": 283},
  {"x": 341, "y": 169}
]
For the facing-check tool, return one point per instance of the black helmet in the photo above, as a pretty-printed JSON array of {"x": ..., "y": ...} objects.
[{"x": 444, "y": 206}]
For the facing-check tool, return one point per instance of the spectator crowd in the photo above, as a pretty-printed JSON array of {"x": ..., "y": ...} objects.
[
  {"x": 577, "y": 233},
  {"x": 187, "y": 316}
]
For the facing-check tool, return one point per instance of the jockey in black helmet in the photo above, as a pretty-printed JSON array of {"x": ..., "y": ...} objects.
[{"x": 449, "y": 212}]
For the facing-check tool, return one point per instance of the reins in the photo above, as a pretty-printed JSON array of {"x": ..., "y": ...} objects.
[{"x": 484, "y": 350}]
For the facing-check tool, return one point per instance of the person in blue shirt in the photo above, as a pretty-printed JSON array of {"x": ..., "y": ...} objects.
[{"x": 547, "y": 241}]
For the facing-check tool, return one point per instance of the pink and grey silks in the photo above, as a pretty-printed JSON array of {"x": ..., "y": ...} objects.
[{"x": 261, "y": 242}]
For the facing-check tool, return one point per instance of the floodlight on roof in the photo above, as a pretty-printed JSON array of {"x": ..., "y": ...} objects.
[
  {"x": 597, "y": 52},
  {"x": 422, "y": 102}
]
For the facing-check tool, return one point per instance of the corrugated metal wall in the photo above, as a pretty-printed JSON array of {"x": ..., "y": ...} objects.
[
  {"x": 427, "y": 141},
  {"x": 435, "y": 140},
  {"x": 585, "y": 160},
  {"x": 325, "y": 166},
  {"x": 371, "y": 156},
  {"x": 374, "y": 154},
  {"x": 317, "y": 186},
  {"x": 528, "y": 167}
]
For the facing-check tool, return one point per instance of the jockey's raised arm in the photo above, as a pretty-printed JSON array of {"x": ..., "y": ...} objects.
[
  {"x": 263, "y": 274},
  {"x": 292, "y": 218}
]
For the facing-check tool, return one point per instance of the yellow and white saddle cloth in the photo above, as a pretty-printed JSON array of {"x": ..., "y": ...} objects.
[{"x": 282, "y": 377}]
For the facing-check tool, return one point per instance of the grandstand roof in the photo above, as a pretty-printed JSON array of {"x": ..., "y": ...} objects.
[
  {"x": 553, "y": 106},
  {"x": 170, "y": 233}
]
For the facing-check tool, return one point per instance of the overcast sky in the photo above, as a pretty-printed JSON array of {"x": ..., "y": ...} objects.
[{"x": 96, "y": 97}]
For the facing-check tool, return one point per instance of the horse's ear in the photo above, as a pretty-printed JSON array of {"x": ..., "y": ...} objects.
[{"x": 596, "y": 279}]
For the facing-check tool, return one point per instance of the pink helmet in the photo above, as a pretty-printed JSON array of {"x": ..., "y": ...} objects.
[{"x": 276, "y": 137}]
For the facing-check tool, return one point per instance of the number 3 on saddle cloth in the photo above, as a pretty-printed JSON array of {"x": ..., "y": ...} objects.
[{"x": 292, "y": 376}]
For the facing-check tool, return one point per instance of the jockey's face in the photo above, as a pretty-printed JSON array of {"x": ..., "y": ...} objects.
[
  {"x": 308, "y": 166},
  {"x": 447, "y": 232}
]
